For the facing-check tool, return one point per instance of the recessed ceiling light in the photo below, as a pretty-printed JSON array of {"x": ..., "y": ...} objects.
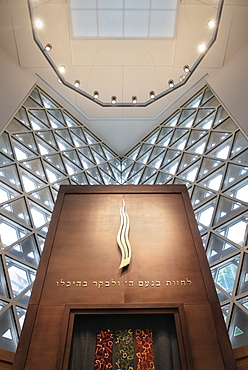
[
  {"x": 171, "y": 83},
  {"x": 38, "y": 23},
  {"x": 48, "y": 47},
  {"x": 96, "y": 94},
  {"x": 62, "y": 69},
  {"x": 152, "y": 94},
  {"x": 59, "y": 80},
  {"x": 211, "y": 24},
  {"x": 113, "y": 99},
  {"x": 134, "y": 99},
  {"x": 202, "y": 47},
  {"x": 182, "y": 78},
  {"x": 76, "y": 83},
  {"x": 186, "y": 68}
]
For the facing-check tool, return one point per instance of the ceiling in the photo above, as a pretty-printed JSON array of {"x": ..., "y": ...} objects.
[{"x": 121, "y": 67}]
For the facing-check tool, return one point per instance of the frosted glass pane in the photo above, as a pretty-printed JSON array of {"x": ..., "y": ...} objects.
[
  {"x": 110, "y": 23},
  {"x": 164, "y": 4},
  {"x": 136, "y": 23},
  {"x": 162, "y": 23},
  {"x": 84, "y": 23}
]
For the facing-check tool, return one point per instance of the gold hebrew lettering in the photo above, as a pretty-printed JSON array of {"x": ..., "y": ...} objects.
[
  {"x": 157, "y": 283},
  {"x": 141, "y": 283}
]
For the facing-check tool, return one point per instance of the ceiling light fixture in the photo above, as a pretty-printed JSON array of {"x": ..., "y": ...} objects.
[
  {"x": 62, "y": 69},
  {"x": 95, "y": 94},
  {"x": 134, "y": 99},
  {"x": 182, "y": 78},
  {"x": 76, "y": 83},
  {"x": 186, "y": 68},
  {"x": 172, "y": 86},
  {"x": 113, "y": 99},
  {"x": 211, "y": 24},
  {"x": 152, "y": 94},
  {"x": 38, "y": 23},
  {"x": 48, "y": 47}
]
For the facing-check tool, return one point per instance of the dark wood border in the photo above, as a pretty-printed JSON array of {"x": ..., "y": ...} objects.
[{"x": 71, "y": 311}]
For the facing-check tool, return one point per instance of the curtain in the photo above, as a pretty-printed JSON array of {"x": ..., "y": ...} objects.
[{"x": 160, "y": 327}]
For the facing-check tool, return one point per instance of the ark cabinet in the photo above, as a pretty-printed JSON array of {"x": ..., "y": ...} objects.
[{"x": 123, "y": 258}]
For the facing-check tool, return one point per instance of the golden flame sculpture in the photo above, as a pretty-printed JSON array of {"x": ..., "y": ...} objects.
[{"x": 122, "y": 238}]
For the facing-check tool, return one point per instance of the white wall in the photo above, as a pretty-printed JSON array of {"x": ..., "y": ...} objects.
[
  {"x": 230, "y": 84},
  {"x": 15, "y": 85}
]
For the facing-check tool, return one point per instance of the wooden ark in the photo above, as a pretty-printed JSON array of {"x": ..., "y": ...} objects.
[{"x": 79, "y": 274}]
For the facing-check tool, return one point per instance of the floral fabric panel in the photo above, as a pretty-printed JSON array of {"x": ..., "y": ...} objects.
[
  {"x": 124, "y": 355},
  {"x": 144, "y": 350},
  {"x": 104, "y": 350}
]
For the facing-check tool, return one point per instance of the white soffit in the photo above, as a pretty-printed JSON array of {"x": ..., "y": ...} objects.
[{"x": 122, "y": 19}]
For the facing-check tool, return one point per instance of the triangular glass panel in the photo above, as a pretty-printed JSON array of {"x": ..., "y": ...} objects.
[
  {"x": 135, "y": 180},
  {"x": 86, "y": 163},
  {"x": 225, "y": 310},
  {"x": 243, "y": 279},
  {"x": 208, "y": 165},
  {"x": 62, "y": 144},
  {"x": 143, "y": 149},
  {"x": 164, "y": 131},
  {"x": 227, "y": 208},
  {"x": 36, "y": 123},
  {"x": 41, "y": 242},
  {"x": 53, "y": 175},
  {"x": 10, "y": 175},
  {"x": 212, "y": 102},
  {"x": 136, "y": 167},
  {"x": 94, "y": 172},
  {"x": 21, "y": 313},
  {"x": 216, "y": 138},
  {"x": 78, "y": 142},
  {"x": 25, "y": 297},
  {"x": 70, "y": 121},
  {"x": 44, "y": 197},
  {"x": 165, "y": 141},
  {"x": 189, "y": 121},
  {"x": 16, "y": 126},
  {"x": 206, "y": 95},
  {"x": 45, "y": 148},
  {"x": 234, "y": 172},
  {"x": 36, "y": 96},
  {"x": 5, "y": 144},
  {"x": 242, "y": 158},
  {"x": 221, "y": 248},
  {"x": 227, "y": 125},
  {"x": 54, "y": 122},
  {"x": 179, "y": 181},
  {"x": 86, "y": 151},
  {"x": 202, "y": 114},
  {"x": 244, "y": 302},
  {"x": 98, "y": 158},
  {"x": 39, "y": 215},
  {"x": 30, "y": 182},
  {"x": 200, "y": 196},
  {"x": 191, "y": 172},
  {"x": 133, "y": 154},
  {"x": 17, "y": 210},
  {"x": 220, "y": 116},
  {"x": 144, "y": 158},
  {"x": 11, "y": 231},
  {"x": 180, "y": 144},
  {"x": 234, "y": 230},
  {"x": 204, "y": 214},
  {"x": 93, "y": 181},
  {"x": 147, "y": 173},
  {"x": 185, "y": 113},
  {"x": 41, "y": 115},
  {"x": 2, "y": 304},
  {"x": 56, "y": 161},
  {"x": 31, "y": 103},
  {"x": 126, "y": 162},
  {"x": 240, "y": 143},
  {"x": 194, "y": 103},
  {"x": 125, "y": 174},
  {"x": 116, "y": 162},
  {"x": 73, "y": 156},
  {"x": 117, "y": 174},
  {"x": 157, "y": 162},
  {"x": 171, "y": 122},
  {"x": 57, "y": 113},
  {"x": 71, "y": 168},
  {"x": 199, "y": 146},
  {"x": 98, "y": 149},
  {"x": 238, "y": 327},
  {"x": 62, "y": 182},
  {"x": 48, "y": 137},
  {"x": 27, "y": 139},
  {"x": 65, "y": 134},
  {"x": 4, "y": 159},
  {"x": 162, "y": 178},
  {"x": 170, "y": 155},
  {"x": 222, "y": 151},
  {"x": 80, "y": 178},
  {"x": 194, "y": 136},
  {"x": 3, "y": 284},
  {"x": 107, "y": 168},
  {"x": 27, "y": 251},
  {"x": 8, "y": 334},
  {"x": 48, "y": 102},
  {"x": 225, "y": 274},
  {"x": 20, "y": 276},
  {"x": 35, "y": 166},
  {"x": 237, "y": 331},
  {"x": 157, "y": 150},
  {"x": 80, "y": 133},
  {"x": 171, "y": 167},
  {"x": 206, "y": 123},
  {"x": 187, "y": 160},
  {"x": 152, "y": 138},
  {"x": 179, "y": 132},
  {"x": 21, "y": 115},
  {"x": 239, "y": 191},
  {"x": 108, "y": 154},
  {"x": 151, "y": 180},
  {"x": 22, "y": 152},
  {"x": 91, "y": 139},
  {"x": 7, "y": 193},
  {"x": 214, "y": 181},
  {"x": 107, "y": 179}
]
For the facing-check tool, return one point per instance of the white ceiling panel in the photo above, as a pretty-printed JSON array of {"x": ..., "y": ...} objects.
[
  {"x": 110, "y": 4},
  {"x": 110, "y": 23},
  {"x": 137, "y": 4},
  {"x": 136, "y": 23},
  {"x": 164, "y": 4},
  {"x": 85, "y": 4}
]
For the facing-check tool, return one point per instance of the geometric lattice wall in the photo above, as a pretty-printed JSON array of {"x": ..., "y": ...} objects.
[{"x": 200, "y": 146}]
